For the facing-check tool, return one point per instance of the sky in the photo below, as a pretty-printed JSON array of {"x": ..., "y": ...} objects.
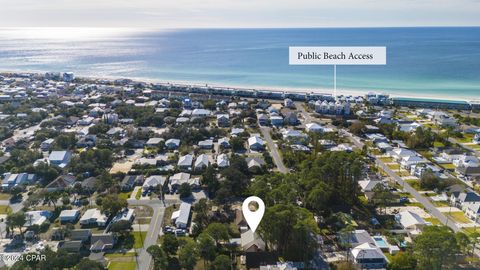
[{"x": 238, "y": 13}]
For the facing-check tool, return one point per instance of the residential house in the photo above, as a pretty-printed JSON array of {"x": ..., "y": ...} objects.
[
  {"x": 409, "y": 127},
  {"x": 263, "y": 120},
  {"x": 102, "y": 242},
  {"x": 129, "y": 181},
  {"x": 60, "y": 158},
  {"x": 356, "y": 238},
  {"x": 153, "y": 142},
  {"x": 202, "y": 162},
  {"x": 294, "y": 136},
  {"x": 181, "y": 217},
  {"x": 223, "y": 120},
  {"x": 172, "y": 144},
  {"x": 288, "y": 103},
  {"x": 87, "y": 141},
  {"x": 154, "y": 181},
  {"x": 276, "y": 120},
  {"x": 367, "y": 187},
  {"x": 399, "y": 153},
  {"x": 70, "y": 216},
  {"x": 473, "y": 212},
  {"x": 223, "y": 161},
  {"x": 368, "y": 256},
  {"x": 205, "y": 144},
  {"x": 94, "y": 217},
  {"x": 463, "y": 199},
  {"x": 70, "y": 246},
  {"x": 45, "y": 145},
  {"x": 314, "y": 127},
  {"x": 409, "y": 161},
  {"x": 126, "y": 214},
  {"x": 61, "y": 183},
  {"x": 251, "y": 242},
  {"x": 178, "y": 179},
  {"x": 201, "y": 113},
  {"x": 36, "y": 217},
  {"x": 442, "y": 119},
  {"x": 255, "y": 143},
  {"x": 254, "y": 164},
  {"x": 224, "y": 143},
  {"x": 291, "y": 119},
  {"x": 90, "y": 185},
  {"x": 11, "y": 180},
  {"x": 237, "y": 131},
  {"x": 411, "y": 222},
  {"x": 82, "y": 235},
  {"x": 185, "y": 162}
]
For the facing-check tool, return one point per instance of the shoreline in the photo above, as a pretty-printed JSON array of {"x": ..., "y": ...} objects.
[{"x": 327, "y": 91}]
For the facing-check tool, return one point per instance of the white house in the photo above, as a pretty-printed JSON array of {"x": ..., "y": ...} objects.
[
  {"x": 223, "y": 161},
  {"x": 368, "y": 256},
  {"x": 124, "y": 215},
  {"x": 185, "y": 162},
  {"x": 411, "y": 222},
  {"x": 201, "y": 162},
  {"x": 182, "y": 215},
  {"x": 36, "y": 217},
  {"x": 314, "y": 127},
  {"x": 69, "y": 215},
  {"x": 153, "y": 181},
  {"x": 411, "y": 127},
  {"x": 60, "y": 158},
  {"x": 93, "y": 217}
]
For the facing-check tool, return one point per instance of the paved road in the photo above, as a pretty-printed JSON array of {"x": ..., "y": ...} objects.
[
  {"x": 273, "y": 149},
  {"x": 419, "y": 197},
  {"x": 144, "y": 259}
]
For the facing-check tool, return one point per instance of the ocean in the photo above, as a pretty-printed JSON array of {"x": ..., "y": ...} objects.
[{"x": 441, "y": 62}]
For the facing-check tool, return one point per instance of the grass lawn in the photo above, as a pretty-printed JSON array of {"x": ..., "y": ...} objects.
[
  {"x": 5, "y": 209},
  {"x": 459, "y": 217},
  {"x": 467, "y": 138},
  {"x": 167, "y": 217},
  {"x": 124, "y": 195},
  {"x": 386, "y": 159},
  {"x": 5, "y": 196},
  {"x": 119, "y": 255},
  {"x": 438, "y": 144},
  {"x": 448, "y": 166},
  {"x": 433, "y": 220},
  {"x": 122, "y": 265},
  {"x": 394, "y": 166},
  {"x": 440, "y": 204},
  {"x": 470, "y": 230},
  {"x": 139, "y": 238},
  {"x": 415, "y": 204},
  {"x": 475, "y": 146},
  {"x": 403, "y": 173},
  {"x": 414, "y": 183},
  {"x": 139, "y": 194},
  {"x": 143, "y": 220}
]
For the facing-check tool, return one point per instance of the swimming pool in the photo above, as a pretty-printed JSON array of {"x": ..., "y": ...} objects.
[{"x": 381, "y": 242}]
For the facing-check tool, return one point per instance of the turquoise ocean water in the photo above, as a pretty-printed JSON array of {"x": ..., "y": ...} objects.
[{"x": 436, "y": 62}]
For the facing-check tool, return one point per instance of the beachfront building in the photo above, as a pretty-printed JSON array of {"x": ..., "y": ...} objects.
[
  {"x": 331, "y": 108},
  {"x": 430, "y": 103}
]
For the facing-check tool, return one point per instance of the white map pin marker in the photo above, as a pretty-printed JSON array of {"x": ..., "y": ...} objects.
[{"x": 253, "y": 217}]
